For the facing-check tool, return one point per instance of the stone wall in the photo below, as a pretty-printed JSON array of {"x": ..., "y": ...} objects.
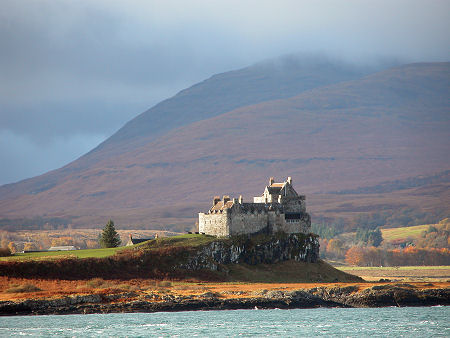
[
  {"x": 214, "y": 224},
  {"x": 235, "y": 221},
  {"x": 250, "y": 222}
]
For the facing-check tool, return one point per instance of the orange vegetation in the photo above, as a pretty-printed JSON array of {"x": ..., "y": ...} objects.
[{"x": 61, "y": 288}]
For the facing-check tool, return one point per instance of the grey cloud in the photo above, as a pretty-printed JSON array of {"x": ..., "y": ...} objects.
[
  {"x": 86, "y": 67},
  {"x": 31, "y": 159}
]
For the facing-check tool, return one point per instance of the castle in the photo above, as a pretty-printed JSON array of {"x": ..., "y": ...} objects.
[{"x": 279, "y": 208}]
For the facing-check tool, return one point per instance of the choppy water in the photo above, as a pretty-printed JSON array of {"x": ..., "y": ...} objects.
[{"x": 412, "y": 321}]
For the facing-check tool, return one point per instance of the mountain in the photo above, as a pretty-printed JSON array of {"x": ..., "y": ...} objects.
[
  {"x": 264, "y": 81},
  {"x": 331, "y": 127}
]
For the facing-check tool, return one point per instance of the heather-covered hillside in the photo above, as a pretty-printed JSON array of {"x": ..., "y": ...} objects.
[{"x": 330, "y": 129}]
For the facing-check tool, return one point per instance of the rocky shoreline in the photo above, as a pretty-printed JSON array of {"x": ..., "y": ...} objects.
[{"x": 347, "y": 296}]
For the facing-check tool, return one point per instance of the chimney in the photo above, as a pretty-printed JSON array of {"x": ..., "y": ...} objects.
[
  {"x": 240, "y": 199},
  {"x": 271, "y": 181},
  {"x": 289, "y": 180},
  {"x": 226, "y": 198},
  {"x": 216, "y": 199}
]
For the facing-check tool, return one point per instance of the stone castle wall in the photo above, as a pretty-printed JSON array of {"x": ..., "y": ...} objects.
[
  {"x": 236, "y": 222},
  {"x": 280, "y": 208},
  {"x": 243, "y": 223},
  {"x": 214, "y": 224}
]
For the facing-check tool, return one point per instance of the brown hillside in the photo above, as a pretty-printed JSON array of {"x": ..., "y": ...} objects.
[{"x": 386, "y": 126}]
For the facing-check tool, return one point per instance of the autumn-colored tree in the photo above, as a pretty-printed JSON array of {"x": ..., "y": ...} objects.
[
  {"x": 91, "y": 244},
  {"x": 30, "y": 246},
  {"x": 336, "y": 248},
  {"x": 4, "y": 241},
  {"x": 12, "y": 247},
  {"x": 63, "y": 241},
  {"x": 355, "y": 256}
]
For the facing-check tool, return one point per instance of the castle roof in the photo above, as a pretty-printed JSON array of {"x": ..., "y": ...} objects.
[
  {"x": 221, "y": 206},
  {"x": 277, "y": 185}
]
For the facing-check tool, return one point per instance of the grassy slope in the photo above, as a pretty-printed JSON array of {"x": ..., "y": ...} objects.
[
  {"x": 404, "y": 232},
  {"x": 289, "y": 271},
  {"x": 187, "y": 240},
  {"x": 164, "y": 242},
  {"x": 98, "y": 253}
]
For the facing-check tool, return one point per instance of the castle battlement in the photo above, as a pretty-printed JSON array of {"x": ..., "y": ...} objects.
[{"x": 279, "y": 208}]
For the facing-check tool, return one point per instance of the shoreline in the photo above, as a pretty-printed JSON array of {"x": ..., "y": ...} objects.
[{"x": 351, "y": 296}]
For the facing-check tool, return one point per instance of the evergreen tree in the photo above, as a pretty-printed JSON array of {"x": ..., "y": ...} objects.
[
  {"x": 109, "y": 237},
  {"x": 375, "y": 238}
]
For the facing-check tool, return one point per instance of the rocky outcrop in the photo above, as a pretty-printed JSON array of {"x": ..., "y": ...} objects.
[
  {"x": 377, "y": 296},
  {"x": 247, "y": 249},
  {"x": 384, "y": 295}
]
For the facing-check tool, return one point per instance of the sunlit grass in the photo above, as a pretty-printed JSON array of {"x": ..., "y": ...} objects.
[
  {"x": 405, "y": 232},
  {"x": 98, "y": 253},
  {"x": 182, "y": 240}
]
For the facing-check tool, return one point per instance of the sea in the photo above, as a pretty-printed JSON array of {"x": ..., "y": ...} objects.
[{"x": 373, "y": 322}]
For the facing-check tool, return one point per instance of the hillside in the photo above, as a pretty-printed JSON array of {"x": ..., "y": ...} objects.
[
  {"x": 390, "y": 125},
  {"x": 260, "y": 258},
  {"x": 268, "y": 80},
  {"x": 412, "y": 233}
]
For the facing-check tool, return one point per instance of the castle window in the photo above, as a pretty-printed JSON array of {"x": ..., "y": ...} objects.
[{"x": 292, "y": 217}]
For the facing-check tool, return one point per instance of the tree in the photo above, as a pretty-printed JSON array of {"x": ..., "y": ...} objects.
[
  {"x": 336, "y": 248},
  {"x": 12, "y": 247},
  {"x": 375, "y": 238},
  {"x": 355, "y": 256},
  {"x": 109, "y": 237},
  {"x": 370, "y": 237},
  {"x": 30, "y": 246}
]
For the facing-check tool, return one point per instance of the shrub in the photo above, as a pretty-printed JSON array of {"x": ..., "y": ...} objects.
[
  {"x": 97, "y": 283},
  {"x": 5, "y": 252},
  {"x": 164, "y": 284},
  {"x": 22, "y": 288}
]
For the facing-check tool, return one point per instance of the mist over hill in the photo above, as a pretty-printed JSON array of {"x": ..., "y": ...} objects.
[{"x": 329, "y": 125}]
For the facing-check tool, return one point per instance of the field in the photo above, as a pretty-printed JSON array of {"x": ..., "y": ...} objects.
[
  {"x": 83, "y": 238},
  {"x": 175, "y": 241},
  {"x": 64, "y": 254},
  {"x": 401, "y": 273},
  {"x": 403, "y": 233}
]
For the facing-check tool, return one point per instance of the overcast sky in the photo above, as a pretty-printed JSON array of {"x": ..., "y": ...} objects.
[{"x": 73, "y": 72}]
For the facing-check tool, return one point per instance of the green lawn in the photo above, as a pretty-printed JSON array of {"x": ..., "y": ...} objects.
[
  {"x": 191, "y": 240},
  {"x": 404, "y": 232},
  {"x": 182, "y": 240},
  {"x": 59, "y": 254}
]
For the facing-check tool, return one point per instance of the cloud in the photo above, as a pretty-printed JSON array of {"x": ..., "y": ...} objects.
[
  {"x": 86, "y": 67},
  {"x": 21, "y": 157}
]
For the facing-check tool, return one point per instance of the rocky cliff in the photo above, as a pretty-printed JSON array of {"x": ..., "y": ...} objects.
[{"x": 254, "y": 250}]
